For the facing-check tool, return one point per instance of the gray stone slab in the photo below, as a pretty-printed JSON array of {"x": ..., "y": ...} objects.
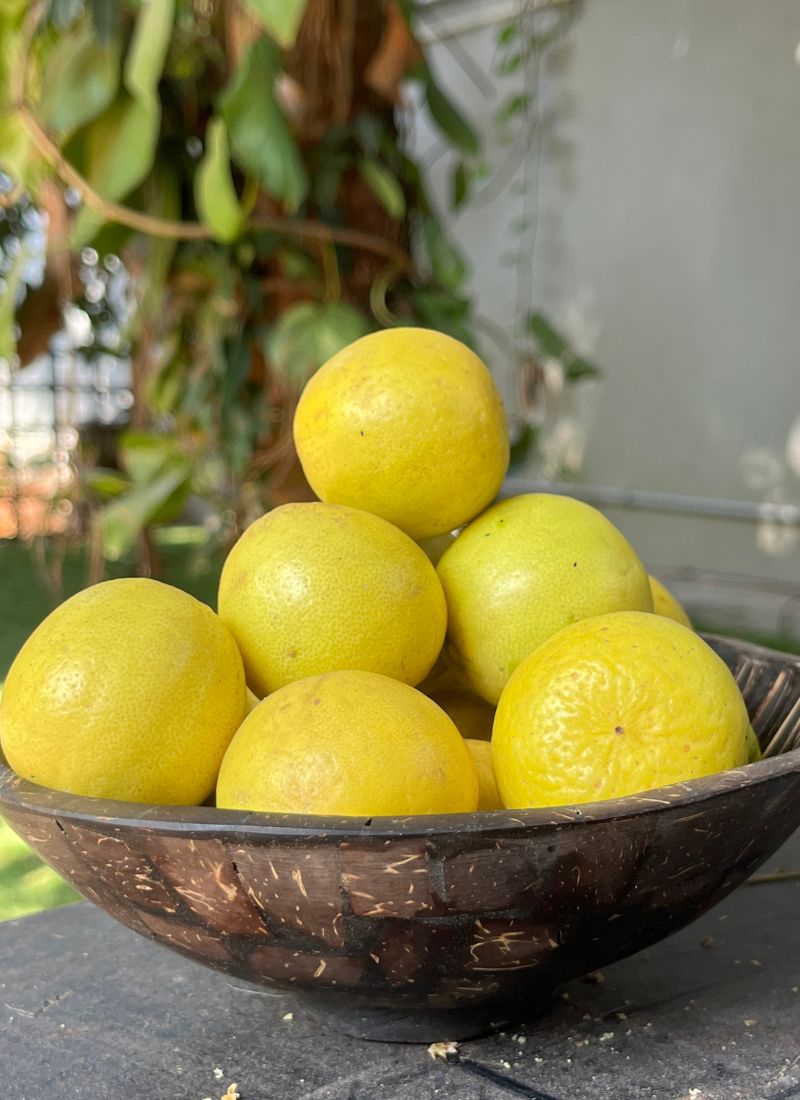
[{"x": 89, "y": 1010}]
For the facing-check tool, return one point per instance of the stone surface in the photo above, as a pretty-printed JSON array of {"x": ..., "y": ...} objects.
[{"x": 89, "y": 1010}]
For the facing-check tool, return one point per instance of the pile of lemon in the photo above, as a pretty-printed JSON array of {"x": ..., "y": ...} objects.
[{"x": 403, "y": 646}]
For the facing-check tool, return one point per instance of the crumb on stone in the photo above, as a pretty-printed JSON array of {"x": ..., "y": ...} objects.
[
  {"x": 444, "y": 1052},
  {"x": 595, "y": 977}
]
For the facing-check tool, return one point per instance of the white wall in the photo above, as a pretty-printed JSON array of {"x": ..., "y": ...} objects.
[{"x": 668, "y": 244}]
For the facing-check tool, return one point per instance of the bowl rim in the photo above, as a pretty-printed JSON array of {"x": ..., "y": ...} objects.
[
  {"x": 18, "y": 795},
  {"x": 22, "y": 796}
]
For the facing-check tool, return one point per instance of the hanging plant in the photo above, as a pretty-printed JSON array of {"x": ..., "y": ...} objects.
[{"x": 246, "y": 163}]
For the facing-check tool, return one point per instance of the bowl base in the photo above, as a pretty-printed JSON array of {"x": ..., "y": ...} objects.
[{"x": 415, "y": 1024}]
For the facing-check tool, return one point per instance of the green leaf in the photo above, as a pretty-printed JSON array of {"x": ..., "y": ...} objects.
[
  {"x": 447, "y": 263},
  {"x": 165, "y": 387},
  {"x": 214, "y": 193},
  {"x": 238, "y": 362},
  {"x": 385, "y": 185},
  {"x": 119, "y": 150},
  {"x": 105, "y": 17},
  {"x": 370, "y": 132},
  {"x": 148, "y": 49},
  {"x": 17, "y": 155},
  {"x": 326, "y": 180},
  {"x": 510, "y": 64},
  {"x": 15, "y": 147},
  {"x": 514, "y": 105},
  {"x": 578, "y": 367},
  {"x": 522, "y": 447},
  {"x": 12, "y": 10},
  {"x": 160, "y": 481},
  {"x": 280, "y": 18},
  {"x": 443, "y": 311},
  {"x": 10, "y": 285},
  {"x": 306, "y": 335},
  {"x": 296, "y": 264},
  {"x": 259, "y": 135},
  {"x": 550, "y": 342},
  {"x": 455, "y": 127},
  {"x": 159, "y": 500},
  {"x": 142, "y": 453},
  {"x": 160, "y": 194},
  {"x": 460, "y": 184},
  {"x": 79, "y": 80},
  {"x": 553, "y": 344},
  {"x": 507, "y": 34},
  {"x": 106, "y": 483}
]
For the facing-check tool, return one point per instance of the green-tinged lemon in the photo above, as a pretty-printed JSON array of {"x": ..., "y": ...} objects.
[
  {"x": 311, "y": 588},
  {"x": 527, "y": 567}
]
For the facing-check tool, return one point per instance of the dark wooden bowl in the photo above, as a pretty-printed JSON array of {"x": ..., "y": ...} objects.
[{"x": 431, "y": 928}]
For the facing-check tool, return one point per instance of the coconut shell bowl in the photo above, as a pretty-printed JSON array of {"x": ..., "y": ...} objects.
[{"x": 430, "y": 928}]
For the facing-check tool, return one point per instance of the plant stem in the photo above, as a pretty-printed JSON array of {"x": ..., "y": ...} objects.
[{"x": 181, "y": 230}]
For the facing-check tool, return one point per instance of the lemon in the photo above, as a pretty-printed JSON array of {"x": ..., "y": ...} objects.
[
  {"x": 488, "y": 794},
  {"x": 352, "y": 743},
  {"x": 525, "y": 568},
  {"x": 754, "y": 753},
  {"x": 406, "y": 423},
  {"x": 310, "y": 588},
  {"x": 664, "y": 603},
  {"x": 471, "y": 715},
  {"x": 129, "y": 690},
  {"x": 614, "y": 705}
]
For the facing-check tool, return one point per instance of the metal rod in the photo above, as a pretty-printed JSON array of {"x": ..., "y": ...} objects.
[
  {"x": 518, "y": 6},
  {"x": 489, "y": 16},
  {"x": 654, "y": 500}
]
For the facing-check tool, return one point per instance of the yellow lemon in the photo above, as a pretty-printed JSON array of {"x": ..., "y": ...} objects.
[
  {"x": 664, "y": 603},
  {"x": 525, "y": 568},
  {"x": 353, "y": 743},
  {"x": 614, "y": 705},
  {"x": 310, "y": 588},
  {"x": 406, "y": 423},
  {"x": 471, "y": 715},
  {"x": 754, "y": 753},
  {"x": 488, "y": 794},
  {"x": 129, "y": 690}
]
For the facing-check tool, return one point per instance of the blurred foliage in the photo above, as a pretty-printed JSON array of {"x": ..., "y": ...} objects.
[
  {"x": 246, "y": 167},
  {"x": 26, "y": 884}
]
